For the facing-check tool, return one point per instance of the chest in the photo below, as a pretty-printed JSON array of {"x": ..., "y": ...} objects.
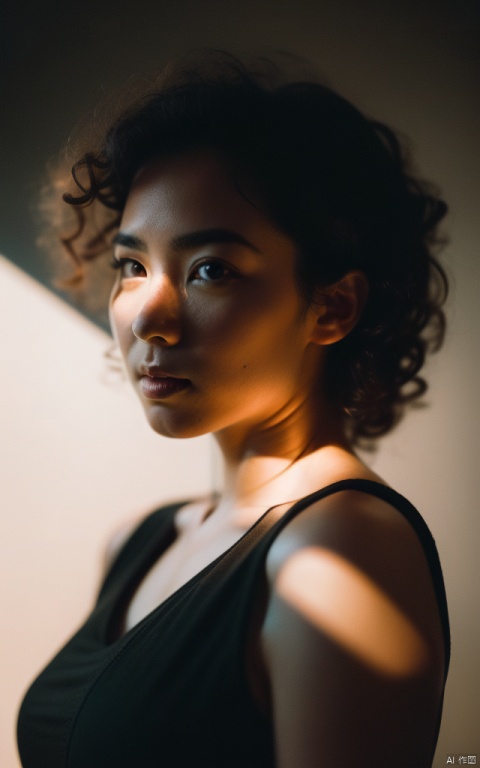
[
  {"x": 176, "y": 690},
  {"x": 194, "y": 548}
]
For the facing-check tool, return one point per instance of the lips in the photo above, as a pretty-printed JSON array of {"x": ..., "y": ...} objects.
[{"x": 155, "y": 384}]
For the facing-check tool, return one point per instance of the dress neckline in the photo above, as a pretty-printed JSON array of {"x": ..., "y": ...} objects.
[{"x": 167, "y": 536}]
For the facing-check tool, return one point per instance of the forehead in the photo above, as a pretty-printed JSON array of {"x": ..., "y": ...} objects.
[{"x": 196, "y": 191}]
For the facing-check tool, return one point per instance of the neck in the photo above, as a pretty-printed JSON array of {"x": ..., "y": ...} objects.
[{"x": 293, "y": 454}]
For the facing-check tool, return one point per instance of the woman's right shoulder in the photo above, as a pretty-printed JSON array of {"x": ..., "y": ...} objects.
[
  {"x": 125, "y": 530},
  {"x": 117, "y": 538}
]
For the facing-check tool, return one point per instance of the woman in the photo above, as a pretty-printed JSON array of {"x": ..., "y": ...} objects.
[{"x": 274, "y": 285}]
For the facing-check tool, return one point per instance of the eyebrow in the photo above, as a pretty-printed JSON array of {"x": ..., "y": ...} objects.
[{"x": 187, "y": 241}]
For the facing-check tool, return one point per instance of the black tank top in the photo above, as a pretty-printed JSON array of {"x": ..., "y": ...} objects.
[{"x": 172, "y": 692}]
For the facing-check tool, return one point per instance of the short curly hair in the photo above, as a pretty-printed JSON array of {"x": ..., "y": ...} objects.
[{"x": 336, "y": 182}]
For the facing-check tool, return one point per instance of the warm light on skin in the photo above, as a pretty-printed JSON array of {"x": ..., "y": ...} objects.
[
  {"x": 242, "y": 341},
  {"x": 251, "y": 350},
  {"x": 353, "y": 611}
]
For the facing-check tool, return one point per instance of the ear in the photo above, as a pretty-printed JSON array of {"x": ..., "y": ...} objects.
[{"x": 338, "y": 307}]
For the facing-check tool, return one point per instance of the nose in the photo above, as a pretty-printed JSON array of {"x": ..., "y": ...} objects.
[{"x": 158, "y": 318}]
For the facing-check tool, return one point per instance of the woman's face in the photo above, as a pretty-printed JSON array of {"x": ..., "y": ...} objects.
[{"x": 205, "y": 307}]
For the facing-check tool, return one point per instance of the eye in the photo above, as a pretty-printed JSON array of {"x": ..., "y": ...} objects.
[
  {"x": 211, "y": 271},
  {"x": 128, "y": 268}
]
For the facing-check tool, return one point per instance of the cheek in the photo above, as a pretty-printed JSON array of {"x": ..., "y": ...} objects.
[
  {"x": 250, "y": 335},
  {"x": 226, "y": 330},
  {"x": 249, "y": 312}
]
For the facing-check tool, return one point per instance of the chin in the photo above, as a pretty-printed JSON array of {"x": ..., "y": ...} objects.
[{"x": 171, "y": 424}]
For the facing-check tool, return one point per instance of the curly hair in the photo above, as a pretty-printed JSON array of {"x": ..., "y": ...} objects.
[{"x": 336, "y": 182}]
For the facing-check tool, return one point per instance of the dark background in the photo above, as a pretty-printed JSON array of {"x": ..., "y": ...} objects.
[{"x": 413, "y": 64}]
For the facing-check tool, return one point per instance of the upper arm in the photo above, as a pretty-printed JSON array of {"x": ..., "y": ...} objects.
[{"x": 351, "y": 640}]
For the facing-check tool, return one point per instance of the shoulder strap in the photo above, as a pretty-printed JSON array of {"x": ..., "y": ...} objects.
[
  {"x": 155, "y": 531},
  {"x": 411, "y": 514}
]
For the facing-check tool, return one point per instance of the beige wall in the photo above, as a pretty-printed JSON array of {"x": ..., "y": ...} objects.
[{"x": 76, "y": 459}]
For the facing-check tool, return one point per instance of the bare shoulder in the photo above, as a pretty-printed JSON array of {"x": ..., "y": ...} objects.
[
  {"x": 352, "y": 639},
  {"x": 370, "y": 536}
]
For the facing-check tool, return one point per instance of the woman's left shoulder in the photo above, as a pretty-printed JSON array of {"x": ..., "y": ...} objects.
[
  {"x": 361, "y": 541},
  {"x": 352, "y": 633},
  {"x": 367, "y": 530}
]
